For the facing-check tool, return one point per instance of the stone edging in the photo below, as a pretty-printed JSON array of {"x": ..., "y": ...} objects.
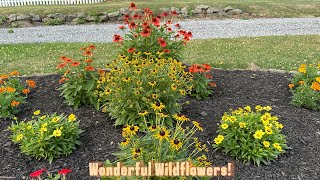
[{"x": 201, "y": 11}]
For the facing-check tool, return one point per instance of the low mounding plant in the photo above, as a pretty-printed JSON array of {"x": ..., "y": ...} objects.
[
  {"x": 135, "y": 90},
  {"x": 160, "y": 144},
  {"x": 201, "y": 80},
  {"x": 47, "y": 136},
  {"x": 147, "y": 34},
  {"x": 79, "y": 79},
  {"x": 12, "y": 93},
  {"x": 251, "y": 135},
  {"x": 305, "y": 87}
]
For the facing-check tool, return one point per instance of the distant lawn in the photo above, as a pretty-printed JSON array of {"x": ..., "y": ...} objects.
[
  {"x": 276, "y": 52},
  {"x": 267, "y": 8}
]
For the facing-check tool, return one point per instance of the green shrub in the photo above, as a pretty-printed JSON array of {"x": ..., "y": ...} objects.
[
  {"x": 10, "y": 31},
  {"x": 201, "y": 80},
  {"x": 142, "y": 87},
  {"x": 81, "y": 20},
  {"x": 79, "y": 79},
  {"x": 251, "y": 135},
  {"x": 305, "y": 87},
  {"x": 47, "y": 136},
  {"x": 3, "y": 19},
  {"x": 12, "y": 94},
  {"x": 160, "y": 144},
  {"x": 54, "y": 22}
]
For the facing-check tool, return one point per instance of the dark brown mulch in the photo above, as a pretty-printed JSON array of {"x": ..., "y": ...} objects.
[{"x": 235, "y": 89}]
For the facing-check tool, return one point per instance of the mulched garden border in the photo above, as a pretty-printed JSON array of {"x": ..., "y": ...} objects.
[{"x": 235, "y": 89}]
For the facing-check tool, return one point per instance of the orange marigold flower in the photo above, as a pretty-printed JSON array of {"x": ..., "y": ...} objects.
[
  {"x": 75, "y": 64},
  {"x": 62, "y": 65},
  {"x": 14, "y": 73},
  {"x": 301, "y": 82},
  {"x": 291, "y": 86},
  {"x": 31, "y": 83},
  {"x": 26, "y": 91},
  {"x": 212, "y": 84},
  {"x": 14, "y": 103},
  {"x": 315, "y": 86},
  {"x": 62, "y": 80},
  {"x": 206, "y": 67},
  {"x": 2, "y": 90},
  {"x": 11, "y": 89},
  {"x": 208, "y": 76},
  {"x": 4, "y": 76},
  {"x": 89, "y": 68}
]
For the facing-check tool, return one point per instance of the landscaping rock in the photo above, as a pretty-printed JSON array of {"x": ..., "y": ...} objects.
[
  {"x": 90, "y": 18},
  {"x": 163, "y": 10},
  {"x": 124, "y": 11},
  {"x": 24, "y": 17},
  {"x": 184, "y": 11},
  {"x": 12, "y": 17},
  {"x": 137, "y": 11},
  {"x": 212, "y": 10},
  {"x": 229, "y": 8},
  {"x": 45, "y": 20},
  {"x": 104, "y": 18},
  {"x": 203, "y": 7},
  {"x": 196, "y": 11},
  {"x": 22, "y": 24},
  {"x": 52, "y": 16},
  {"x": 81, "y": 15},
  {"x": 71, "y": 17},
  {"x": 235, "y": 12},
  {"x": 60, "y": 16},
  {"x": 253, "y": 67},
  {"x": 114, "y": 14},
  {"x": 36, "y": 18}
]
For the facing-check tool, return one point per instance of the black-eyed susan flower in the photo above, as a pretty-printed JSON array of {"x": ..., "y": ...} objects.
[
  {"x": 158, "y": 106},
  {"x": 180, "y": 117},
  {"x": 131, "y": 130},
  {"x": 154, "y": 96},
  {"x": 127, "y": 79},
  {"x": 153, "y": 128},
  {"x": 37, "y": 112},
  {"x": 162, "y": 115},
  {"x": 125, "y": 142},
  {"x": 107, "y": 91},
  {"x": 176, "y": 144},
  {"x": 152, "y": 83},
  {"x": 182, "y": 92},
  {"x": 139, "y": 83},
  {"x": 173, "y": 87},
  {"x": 162, "y": 134},
  {"x": 197, "y": 125},
  {"x": 143, "y": 113},
  {"x": 147, "y": 53}
]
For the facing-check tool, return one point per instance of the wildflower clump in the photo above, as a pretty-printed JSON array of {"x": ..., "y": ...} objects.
[
  {"x": 47, "y": 136},
  {"x": 251, "y": 135},
  {"x": 79, "y": 79},
  {"x": 151, "y": 33},
  {"x": 13, "y": 93},
  {"x": 305, "y": 87},
  {"x": 202, "y": 80},
  {"x": 161, "y": 144},
  {"x": 136, "y": 89}
]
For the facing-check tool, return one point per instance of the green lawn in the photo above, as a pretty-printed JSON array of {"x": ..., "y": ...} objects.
[
  {"x": 277, "y": 52},
  {"x": 267, "y": 8}
]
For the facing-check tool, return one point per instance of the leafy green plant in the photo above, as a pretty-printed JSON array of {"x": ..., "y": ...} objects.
[
  {"x": 54, "y": 22},
  {"x": 12, "y": 93},
  {"x": 47, "y": 136},
  {"x": 305, "y": 87},
  {"x": 160, "y": 144},
  {"x": 3, "y": 19},
  {"x": 81, "y": 20},
  {"x": 79, "y": 79},
  {"x": 147, "y": 34},
  {"x": 143, "y": 87},
  {"x": 10, "y": 31},
  {"x": 201, "y": 80},
  {"x": 251, "y": 135}
]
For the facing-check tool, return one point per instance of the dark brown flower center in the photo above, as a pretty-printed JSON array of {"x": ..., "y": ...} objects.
[
  {"x": 162, "y": 133},
  {"x": 132, "y": 128},
  {"x": 157, "y": 103},
  {"x": 176, "y": 141},
  {"x": 138, "y": 150}
]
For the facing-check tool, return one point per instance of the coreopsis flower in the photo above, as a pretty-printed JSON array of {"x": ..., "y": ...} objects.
[
  {"x": 277, "y": 146},
  {"x": 117, "y": 38},
  {"x": 72, "y": 118},
  {"x": 37, "y": 112},
  {"x": 158, "y": 106},
  {"x": 219, "y": 139},
  {"x": 162, "y": 134},
  {"x": 57, "y": 133},
  {"x": 224, "y": 126},
  {"x": 19, "y": 137},
  {"x": 162, "y": 42},
  {"x": 258, "y": 134},
  {"x": 75, "y": 63},
  {"x": 266, "y": 144},
  {"x": 175, "y": 144},
  {"x": 242, "y": 124},
  {"x": 131, "y": 50}
]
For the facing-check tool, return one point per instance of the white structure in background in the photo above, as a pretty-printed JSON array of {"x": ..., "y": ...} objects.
[{"x": 6, "y": 3}]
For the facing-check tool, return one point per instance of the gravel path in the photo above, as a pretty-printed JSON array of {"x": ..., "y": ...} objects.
[{"x": 201, "y": 29}]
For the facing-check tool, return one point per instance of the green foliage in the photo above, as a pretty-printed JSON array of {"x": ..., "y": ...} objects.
[
  {"x": 201, "y": 81},
  {"x": 159, "y": 144},
  {"x": 79, "y": 80},
  {"x": 54, "y": 22},
  {"x": 3, "y": 19},
  {"x": 47, "y": 136},
  {"x": 147, "y": 34},
  {"x": 305, "y": 87},
  {"x": 12, "y": 94},
  {"x": 139, "y": 87},
  {"x": 251, "y": 135},
  {"x": 81, "y": 20},
  {"x": 10, "y": 31}
]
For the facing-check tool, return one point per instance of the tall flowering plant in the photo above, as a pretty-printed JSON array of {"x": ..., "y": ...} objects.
[
  {"x": 161, "y": 144},
  {"x": 13, "y": 93},
  {"x": 305, "y": 87},
  {"x": 155, "y": 34},
  {"x": 202, "y": 80},
  {"x": 79, "y": 79}
]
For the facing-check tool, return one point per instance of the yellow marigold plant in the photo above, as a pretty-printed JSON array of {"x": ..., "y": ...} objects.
[
  {"x": 305, "y": 87},
  {"x": 137, "y": 88},
  {"x": 161, "y": 144},
  {"x": 47, "y": 136},
  {"x": 13, "y": 93},
  {"x": 251, "y": 135}
]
